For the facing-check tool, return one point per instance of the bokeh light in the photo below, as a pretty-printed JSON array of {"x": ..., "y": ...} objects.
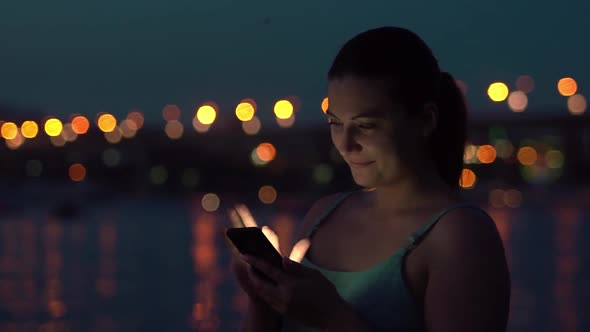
[
  {"x": 199, "y": 127},
  {"x": 57, "y": 141},
  {"x": 16, "y": 142},
  {"x": 486, "y": 154},
  {"x": 111, "y": 157},
  {"x": 29, "y": 129},
  {"x": 171, "y": 113},
  {"x": 267, "y": 194},
  {"x": 68, "y": 133},
  {"x": 128, "y": 128},
  {"x": 34, "y": 168},
  {"x": 496, "y": 198},
  {"x": 283, "y": 109},
  {"x": 525, "y": 83},
  {"x": 576, "y": 104},
  {"x": 504, "y": 148},
  {"x": 106, "y": 123},
  {"x": 469, "y": 153},
  {"x": 323, "y": 173},
  {"x": 210, "y": 202},
  {"x": 206, "y": 114},
  {"x": 554, "y": 159},
  {"x": 137, "y": 117},
  {"x": 512, "y": 198},
  {"x": 80, "y": 125},
  {"x": 77, "y": 172},
  {"x": 9, "y": 130},
  {"x": 251, "y": 127},
  {"x": 113, "y": 136},
  {"x": 325, "y": 105},
  {"x": 174, "y": 129},
  {"x": 498, "y": 91},
  {"x": 526, "y": 155},
  {"x": 266, "y": 152},
  {"x": 158, "y": 175},
  {"x": 53, "y": 127},
  {"x": 517, "y": 101},
  {"x": 567, "y": 86},
  {"x": 286, "y": 123},
  {"x": 468, "y": 179},
  {"x": 190, "y": 178},
  {"x": 245, "y": 110}
]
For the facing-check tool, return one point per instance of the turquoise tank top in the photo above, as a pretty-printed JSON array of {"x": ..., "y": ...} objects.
[{"x": 378, "y": 294}]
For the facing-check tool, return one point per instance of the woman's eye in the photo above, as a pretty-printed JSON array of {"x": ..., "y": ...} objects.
[
  {"x": 334, "y": 123},
  {"x": 366, "y": 126}
]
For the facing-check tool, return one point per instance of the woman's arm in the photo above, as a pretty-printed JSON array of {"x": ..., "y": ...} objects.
[
  {"x": 261, "y": 318},
  {"x": 468, "y": 285}
]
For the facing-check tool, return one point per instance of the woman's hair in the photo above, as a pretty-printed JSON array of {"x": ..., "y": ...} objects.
[{"x": 407, "y": 64}]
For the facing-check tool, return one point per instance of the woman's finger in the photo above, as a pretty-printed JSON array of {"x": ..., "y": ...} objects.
[
  {"x": 235, "y": 219},
  {"x": 272, "y": 237},
  {"x": 246, "y": 216},
  {"x": 299, "y": 250}
]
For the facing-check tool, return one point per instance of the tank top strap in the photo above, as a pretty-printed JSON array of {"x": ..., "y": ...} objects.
[
  {"x": 322, "y": 217},
  {"x": 415, "y": 237}
]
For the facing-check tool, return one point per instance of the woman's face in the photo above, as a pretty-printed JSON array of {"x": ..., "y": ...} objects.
[{"x": 369, "y": 128}]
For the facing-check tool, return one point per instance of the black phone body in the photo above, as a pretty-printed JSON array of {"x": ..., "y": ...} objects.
[{"x": 251, "y": 241}]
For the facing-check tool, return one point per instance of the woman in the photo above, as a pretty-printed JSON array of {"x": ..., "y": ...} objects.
[{"x": 406, "y": 253}]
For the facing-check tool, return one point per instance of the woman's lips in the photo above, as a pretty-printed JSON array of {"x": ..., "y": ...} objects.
[{"x": 360, "y": 165}]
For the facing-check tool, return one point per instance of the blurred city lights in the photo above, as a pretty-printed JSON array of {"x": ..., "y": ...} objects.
[
  {"x": 525, "y": 83},
  {"x": 266, "y": 152},
  {"x": 283, "y": 109},
  {"x": 486, "y": 154},
  {"x": 199, "y": 127},
  {"x": 80, "y": 125},
  {"x": 29, "y": 129},
  {"x": 517, "y": 101},
  {"x": 57, "y": 141},
  {"x": 158, "y": 175},
  {"x": 210, "y": 202},
  {"x": 53, "y": 127},
  {"x": 554, "y": 159},
  {"x": 16, "y": 142},
  {"x": 576, "y": 104},
  {"x": 252, "y": 127},
  {"x": 526, "y": 155},
  {"x": 114, "y": 136},
  {"x": 469, "y": 153},
  {"x": 68, "y": 133},
  {"x": 468, "y": 179},
  {"x": 513, "y": 198},
  {"x": 206, "y": 114},
  {"x": 325, "y": 105},
  {"x": 106, "y": 123},
  {"x": 267, "y": 194},
  {"x": 171, "y": 113},
  {"x": 174, "y": 129},
  {"x": 323, "y": 173},
  {"x": 77, "y": 172},
  {"x": 137, "y": 117},
  {"x": 286, "y": 123},
  {"x": 567, "y": 86},
  {"x": 128, "y": 128},
  {"x": 111, "y": 157},
  {"x": 496, "y": 198},
  {"x": 504, "y": 148},
  {"x": 9, "y": 130},
  {"x": 245, "y": 110},
  {"x": 498, "y": 91}
]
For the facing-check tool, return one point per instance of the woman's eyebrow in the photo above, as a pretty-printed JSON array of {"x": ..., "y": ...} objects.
[{"x": 369, "y": 113}]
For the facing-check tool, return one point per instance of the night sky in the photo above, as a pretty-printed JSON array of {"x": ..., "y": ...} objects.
[{"x": 70, "y": 56}]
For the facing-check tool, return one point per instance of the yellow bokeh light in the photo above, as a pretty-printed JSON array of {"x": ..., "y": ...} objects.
[
  {"x": 325, "y": 105},
  {"x": 527, "y": 155},
  {"x": 9, "y": 130},
  {"x": 206, "y": 114},
  {"x": 486, "y": 154},
  {"x": 245, "y": 110},
  {"x": 266, "y": 152},
  {"x": 567, "y": 86},
  {"x": 577, "y": 104},
  {"x": 468, "y": 179},
  {"x": 251, "y": 127},
  {"x": 283, "y": 109},
  {"x": 107, "y": 123},
  {"x": 517, "y": 101},
  {"x": 498, "y": 91},
  {"x": 80, "y": 125},
  {"x": 29, "y": 129},
  {"x": 267, "y": 194},
  {"x": 53, "y": 127}
]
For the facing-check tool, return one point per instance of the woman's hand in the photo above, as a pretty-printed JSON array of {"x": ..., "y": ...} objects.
[{"x": 297, "y": 291}]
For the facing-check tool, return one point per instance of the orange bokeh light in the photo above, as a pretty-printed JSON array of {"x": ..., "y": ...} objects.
[
  {"x": 486, "y": 154},
  {"x": 77, "y": 172},
  {"x": 9, "y": 130},
  {"x": 567, "y": 86},
  {"x": 527, "y": 155},
  {"x": 266, "y": 152},
  {"x": 80, "y": 125},
  {"x": 468, "y": 179},
  {"x": 325, "y": 105}
]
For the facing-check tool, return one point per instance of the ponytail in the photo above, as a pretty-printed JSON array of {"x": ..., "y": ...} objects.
[{"x": 447, "y": 142}]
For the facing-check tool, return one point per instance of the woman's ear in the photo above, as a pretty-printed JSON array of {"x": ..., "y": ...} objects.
[{"x": 429, "y": 118}]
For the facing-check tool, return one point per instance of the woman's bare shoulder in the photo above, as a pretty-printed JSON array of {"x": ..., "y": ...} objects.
[{"x": 317, "y": 208}]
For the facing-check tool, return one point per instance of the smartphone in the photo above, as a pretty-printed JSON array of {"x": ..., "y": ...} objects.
[{"x": 251, "y": 241}]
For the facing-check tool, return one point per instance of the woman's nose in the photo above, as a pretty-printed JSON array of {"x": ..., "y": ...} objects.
[{"x": 347, "y": 141}]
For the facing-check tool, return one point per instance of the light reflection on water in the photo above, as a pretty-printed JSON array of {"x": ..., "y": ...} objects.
[{"x": 161, "y": 265}]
